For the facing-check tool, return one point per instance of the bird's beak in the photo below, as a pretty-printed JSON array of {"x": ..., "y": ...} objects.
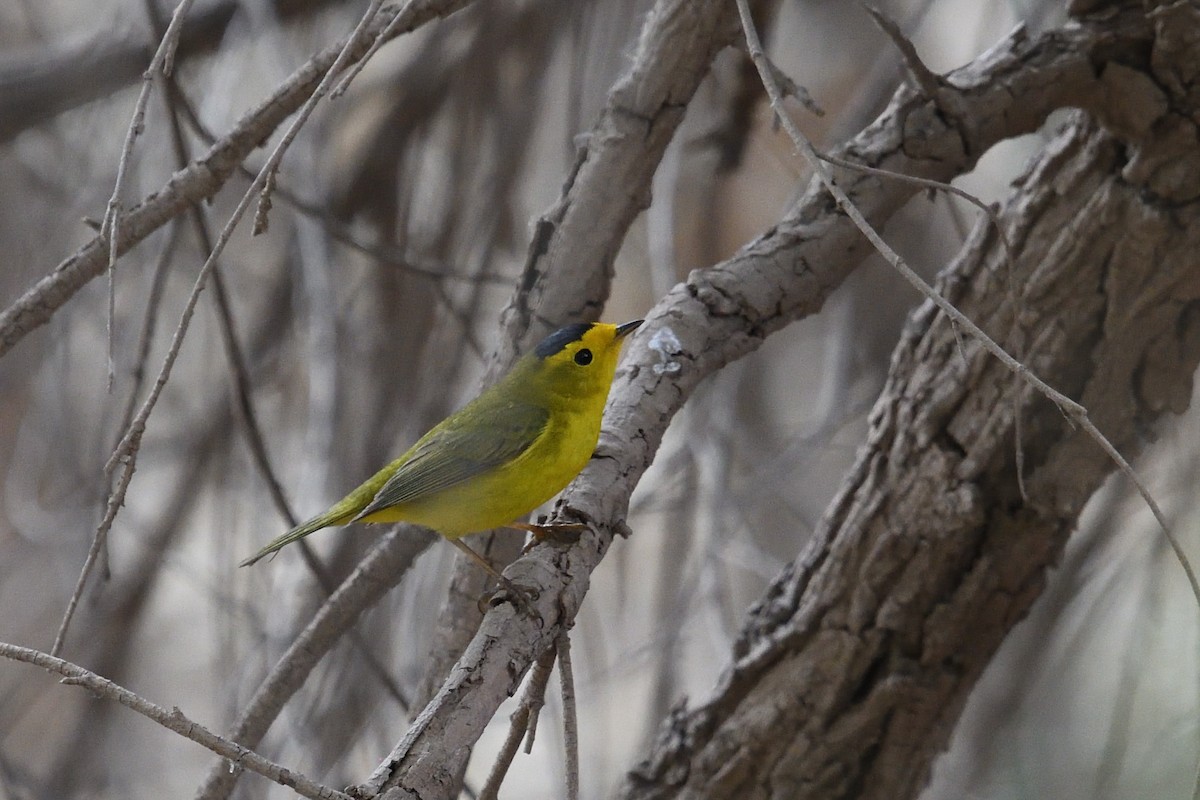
[{"x": 628, "y": 328}]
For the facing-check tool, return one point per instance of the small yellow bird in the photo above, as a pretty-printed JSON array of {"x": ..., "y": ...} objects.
[{"x": 499, "y": 457}]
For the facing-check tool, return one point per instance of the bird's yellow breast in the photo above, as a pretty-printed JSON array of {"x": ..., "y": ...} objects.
[{"x": 506, "y": 493}]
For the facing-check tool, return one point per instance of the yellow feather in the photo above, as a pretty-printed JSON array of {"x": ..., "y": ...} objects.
[{"x": 502, "y": 455}]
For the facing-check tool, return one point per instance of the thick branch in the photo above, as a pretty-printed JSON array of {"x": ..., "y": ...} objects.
[
  {"x": 930, "y": 555},
  {"x": 722, "y": 313},
  {"x": 853, "y": 668},
  {"x": 569, "y": 269}
]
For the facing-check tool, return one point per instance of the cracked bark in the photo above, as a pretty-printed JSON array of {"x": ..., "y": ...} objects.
[
  {"x": 569, "y": 270},
  {"x": 852, "y": 669}
]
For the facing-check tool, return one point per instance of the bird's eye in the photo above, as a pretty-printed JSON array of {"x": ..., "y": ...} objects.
[{"x": 583, "y": 357}]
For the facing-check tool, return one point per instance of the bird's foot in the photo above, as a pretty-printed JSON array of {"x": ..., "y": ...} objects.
[{"x": 509, "y": 591}]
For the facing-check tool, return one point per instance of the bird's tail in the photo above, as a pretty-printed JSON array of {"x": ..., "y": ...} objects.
[{"x": 333, "y": 516}]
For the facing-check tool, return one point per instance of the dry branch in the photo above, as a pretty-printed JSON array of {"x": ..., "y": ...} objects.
[
  {"x": 930, "y": 555},
  {"x": 198, "y": 181},
  {"x": 173, "y": 720},
  {"x": 722, "y": 313},
  {"x": 378, "y": 573},
  {"x": 569, "y": 268}
]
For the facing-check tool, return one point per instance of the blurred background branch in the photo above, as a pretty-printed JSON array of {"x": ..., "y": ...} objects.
[{"x": 398, "y": 274}]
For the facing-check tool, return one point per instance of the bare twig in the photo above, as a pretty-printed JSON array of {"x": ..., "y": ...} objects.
[
  {"x": 519, "y": 723},
  {"x": 173, "y": 720},
  {"x": 994, "y": 218},
  {"x": 1072, "y": 410},
  {"x": 566, "y": 678},
  {"x": 535, "y": 701},
  {"x": 927, "y": 183},
  {"x": 922, "y": 75},
  {"x": 126, "y": 451},
  {"x": 99, "y": 539},
  {"x": 336, "y": 229},
  {"x": 265, "y": 182},
  {"x": 381, "y": 570},
  {"x": 162, "y": 62},
  {"x": 352, "y": 73},
  {"x": 158, "y": 283}
]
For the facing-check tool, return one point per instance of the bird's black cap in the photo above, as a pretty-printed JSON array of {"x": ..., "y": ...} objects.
[
  {"x": 561, "y": 338},
  {"x": 573, "y": 333}
]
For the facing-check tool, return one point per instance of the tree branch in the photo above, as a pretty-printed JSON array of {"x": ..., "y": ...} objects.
[
  {"x": 198, "y": 181},
  {"x": 930, "y": 555},
  {"x": 172, "y": 720},
  {"x": 724, "y": 312},
  {"x": 569, "y": 267}
]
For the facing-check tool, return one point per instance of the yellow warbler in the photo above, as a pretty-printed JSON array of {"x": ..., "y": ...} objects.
[{"x": 502, "y": 455}]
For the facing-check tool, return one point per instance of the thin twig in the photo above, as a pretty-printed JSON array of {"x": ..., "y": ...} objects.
[
  {"x": 239, "y": 372},
  {"x": 929, "y": 82},
  {"x": 537, "y": 703},
  {"x": 519, "y": 722},
  {"x": 265, "y": 183},
  {"x": 158, "y": 282},
  {"x": 338, "y": 230},
  {"x": 1072, "y": 410},
  {"x": 1018, "y": 436},
  {"x": 566, "y": 679},
  {"x": 173, "y": 720},
  {"x": 1010, "y": 261},
  {"x": 375, "y": 575},
  {"x": 126, "y": 452},
  {"x": 162, "y": 62},
  {"x": 928, "y": 183},
  {"x": 99, "y": 540},
  {"x": 384, "y": 36}
]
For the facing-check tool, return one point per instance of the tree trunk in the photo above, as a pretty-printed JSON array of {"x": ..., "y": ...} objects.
[{"x": 852, "y": 669}]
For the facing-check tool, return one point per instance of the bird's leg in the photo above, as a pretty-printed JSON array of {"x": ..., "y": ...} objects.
[{"x": 519, "y": 595}]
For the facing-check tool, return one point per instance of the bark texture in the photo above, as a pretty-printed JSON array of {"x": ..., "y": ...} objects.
[
  {"x": 724, "y": 312},
  {"x": 569, "y": 271},
  {"x": 851, "y": 671}
]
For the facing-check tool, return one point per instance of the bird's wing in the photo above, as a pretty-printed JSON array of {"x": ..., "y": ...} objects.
[{"x": 450, "y": 454}]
